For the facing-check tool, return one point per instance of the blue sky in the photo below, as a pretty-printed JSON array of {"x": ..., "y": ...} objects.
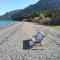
[{"x": 9, "y": 5}]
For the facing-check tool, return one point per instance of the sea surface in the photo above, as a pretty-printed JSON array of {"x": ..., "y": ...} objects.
[{"x": 4, "y": 23}]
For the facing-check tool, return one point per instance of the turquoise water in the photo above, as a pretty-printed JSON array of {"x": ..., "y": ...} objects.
[{"x": 6, "y": 22}]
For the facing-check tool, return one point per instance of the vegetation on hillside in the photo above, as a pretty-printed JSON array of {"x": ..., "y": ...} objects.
[
  {"x": 43, "y": 12},
  {"x": 50, "y": 17}
]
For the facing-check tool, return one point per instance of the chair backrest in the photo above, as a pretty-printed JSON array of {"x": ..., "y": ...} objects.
[{"x": 38, "y": 37}]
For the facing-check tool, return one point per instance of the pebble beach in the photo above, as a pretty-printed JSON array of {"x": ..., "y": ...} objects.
[{"x": 12, "y": 37}]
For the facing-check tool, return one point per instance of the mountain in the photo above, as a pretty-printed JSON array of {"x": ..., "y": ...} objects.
[
  {"x": 8, "y": 15},
  {"x": 40, "y": 5},
  {"x": 49, "y": 7},
  {"x": 44, "y": 4}
]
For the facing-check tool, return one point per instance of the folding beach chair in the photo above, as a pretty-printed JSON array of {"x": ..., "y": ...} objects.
[{"x": 37, "y": 39}]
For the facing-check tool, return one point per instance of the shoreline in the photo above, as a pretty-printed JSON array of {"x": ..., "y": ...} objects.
[{"x": 3, "y": 27}]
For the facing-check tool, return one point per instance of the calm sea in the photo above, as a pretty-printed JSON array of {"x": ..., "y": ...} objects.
[{"x": 4, "y": 23}]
